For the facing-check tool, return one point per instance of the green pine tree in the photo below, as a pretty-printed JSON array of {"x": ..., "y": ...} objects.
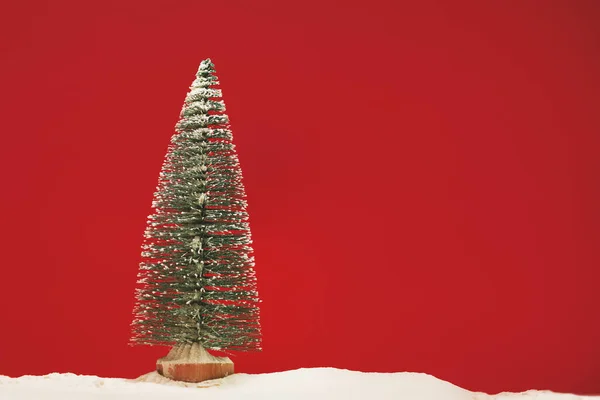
[{"x": 196, "y": 278}]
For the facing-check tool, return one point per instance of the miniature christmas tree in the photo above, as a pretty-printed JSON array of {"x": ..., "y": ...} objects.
[{"x": 197, "y": 286}]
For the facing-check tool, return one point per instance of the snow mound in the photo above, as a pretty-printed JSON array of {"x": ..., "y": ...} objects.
[
  {"x": 155, "y": 377},
  {"x": 305, "y": 384}
]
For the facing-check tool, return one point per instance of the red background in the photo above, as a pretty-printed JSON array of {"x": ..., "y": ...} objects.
[{"x": 422, "y": 179}]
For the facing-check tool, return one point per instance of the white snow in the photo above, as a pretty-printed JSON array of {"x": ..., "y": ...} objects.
[{"x": 306, "y": 383}]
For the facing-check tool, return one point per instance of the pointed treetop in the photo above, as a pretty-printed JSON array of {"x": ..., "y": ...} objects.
[
  {"x": 205, "y": 78},
  {"x": 206, "y": 66}
]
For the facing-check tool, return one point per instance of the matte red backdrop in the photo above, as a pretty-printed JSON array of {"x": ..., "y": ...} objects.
[{"x": 422, "y": 179}]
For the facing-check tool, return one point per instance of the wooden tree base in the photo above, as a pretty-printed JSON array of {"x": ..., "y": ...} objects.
[{"x": 192, "y": 363}]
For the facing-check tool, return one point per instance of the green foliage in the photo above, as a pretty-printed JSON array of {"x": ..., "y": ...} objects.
[{"x": 196, "y": 278}]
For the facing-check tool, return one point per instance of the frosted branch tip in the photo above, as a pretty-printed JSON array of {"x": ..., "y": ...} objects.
[{"x": 206, "y": 66}]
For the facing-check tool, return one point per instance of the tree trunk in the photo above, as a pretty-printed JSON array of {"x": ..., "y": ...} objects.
[{"x": 192, "y": 363}]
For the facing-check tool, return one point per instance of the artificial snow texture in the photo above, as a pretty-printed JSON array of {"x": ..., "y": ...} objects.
[{"x": 305, "y": 383}]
